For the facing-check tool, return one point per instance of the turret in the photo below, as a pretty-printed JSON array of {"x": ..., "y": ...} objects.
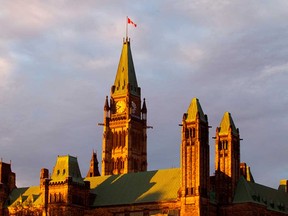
[
  {"x": 194, "y": 161},
  {"x": 124, "y": 145},
  {"x": 94, "y": 166},
  {"x": 227, "y": 159},
  {"x": 106, "y": 108},
  {"x": 106, "y": 112},
  {"x": 7, "y": 183},
  {"x": 7, "y": 177},
  {"x": 44, "y": 174},
  {"x": 67, "y": 185},
  {"x": 144, "y": 111},
  {"x": 44, "y": 188}
]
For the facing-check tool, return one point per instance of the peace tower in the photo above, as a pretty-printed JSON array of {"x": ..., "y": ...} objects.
[{"x": 124, "y": 146}]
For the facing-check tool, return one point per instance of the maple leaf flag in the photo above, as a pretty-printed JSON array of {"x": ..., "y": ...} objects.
[{"x": 131, "y": 22}]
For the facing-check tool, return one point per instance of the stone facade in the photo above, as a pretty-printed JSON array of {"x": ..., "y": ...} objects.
[
  {"x": 124, "y": 135},
  {"x": 195, "y": 161},
  {"x": 227, "y": 159}
]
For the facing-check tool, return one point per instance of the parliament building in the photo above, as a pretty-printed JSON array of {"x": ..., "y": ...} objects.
[{"x": 126, "y": 188}]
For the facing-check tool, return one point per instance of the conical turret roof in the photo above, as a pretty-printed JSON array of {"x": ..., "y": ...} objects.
[
  {"x": 126, "y": 72},
  {"x": 226, "y": 123},
  {"x": 193, "y": 110}
]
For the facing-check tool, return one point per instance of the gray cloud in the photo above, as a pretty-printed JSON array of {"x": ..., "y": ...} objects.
[{"x": 58, "y": 61}]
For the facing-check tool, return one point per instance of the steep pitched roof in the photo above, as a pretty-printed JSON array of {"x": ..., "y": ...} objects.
[
  {"x": 273, "y": 199},
  {"x": 66, "y": 166},
  {"x": 126, "y": 72},
  {"x": 141, "y": 187},
  {"x": 226, "y": 123},
  {"x": 193, "y": 110},
  {"x": 25, "y": 196}
]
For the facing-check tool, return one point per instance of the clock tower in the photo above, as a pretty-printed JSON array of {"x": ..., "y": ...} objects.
[{"x": 124, "y": 145}]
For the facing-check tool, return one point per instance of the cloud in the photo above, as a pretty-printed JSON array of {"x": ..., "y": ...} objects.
[
  {"x": 6, "y": 78},
  {"x": 20, "y": 19},
  {"x": 58, "y": 62},
  {"x": 5, "y": 70},
  {"x": 274, "y": 70}
]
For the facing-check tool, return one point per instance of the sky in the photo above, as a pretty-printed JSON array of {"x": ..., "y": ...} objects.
[{"x": 58, "y": 61}]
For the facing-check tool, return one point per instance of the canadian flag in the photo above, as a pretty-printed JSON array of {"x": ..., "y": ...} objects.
[{"x": 131, "y": 22}]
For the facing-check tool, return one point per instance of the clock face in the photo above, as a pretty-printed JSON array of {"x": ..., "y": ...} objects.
[
  {"x": 134, "y": 107},
  {"x": 120, "y": 106}
]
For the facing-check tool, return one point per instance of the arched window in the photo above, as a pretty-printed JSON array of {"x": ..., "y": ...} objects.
[
  {"x": 120, "y": 139},
  {"x": 122, "y": 164},
  {"x": 116, "y": 139},
  {"x": 123, "y": 138},
  {"x": 220, "y": 145},
  {"x": 193, "y": 132},
  {"x": 114, "y": 164},
  {"x": 186, "y": 133},
  {"x": 226, "y": 145},
  {"x": 112, "y": 139},
  {"x": 118, "y": 164}
]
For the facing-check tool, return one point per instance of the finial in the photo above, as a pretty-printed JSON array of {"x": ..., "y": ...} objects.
[
  {"x": 144, "y": 108},
  {"x": 106, "y": 106}
]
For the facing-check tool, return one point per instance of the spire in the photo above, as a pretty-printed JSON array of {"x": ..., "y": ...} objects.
[
  {"x": 106, "y": 106},
  {"x": 94, "y": 169},
  {"x": 226, "y": 124},
  {"x": 194, "y": 110},
  {"x": 125, "y": 78},
  {"x": 144, "y": 108}
]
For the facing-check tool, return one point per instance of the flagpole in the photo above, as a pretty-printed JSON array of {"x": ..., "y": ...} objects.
[{"x": 126, "y": 28}]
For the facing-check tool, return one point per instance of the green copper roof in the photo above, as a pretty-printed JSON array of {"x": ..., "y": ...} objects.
[
  {"x": 126, "y": 72},
  {"x": 142, "y": 187},
  {"x": 25, "y": 196},
  {"x": 193, "y": 109},
  {"x": 226, "y": 123},
  {"x": 273, "y": 199},
  {"x": 66, "y": 166}
]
